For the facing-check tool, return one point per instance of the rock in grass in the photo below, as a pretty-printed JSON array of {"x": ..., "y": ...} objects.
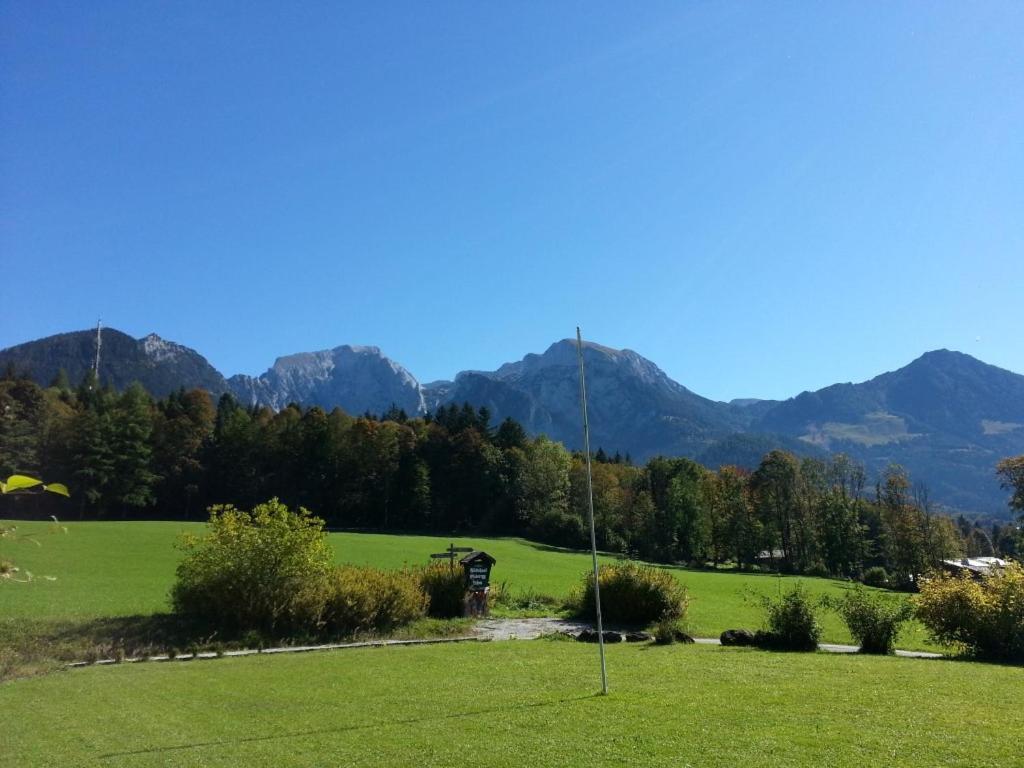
[
  {"x": 637, "y": 637},
  {"x": 737, "y": 637},
  {"x": 590, "y": 636},
  {"x": 682, "y": 637}
]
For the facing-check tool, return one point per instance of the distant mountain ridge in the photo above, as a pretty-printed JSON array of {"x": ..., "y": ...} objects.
[
  {"x": 634, "y": 405},
  {"x": 161, "y": 366},
  {"x": 946, "y": 416}
]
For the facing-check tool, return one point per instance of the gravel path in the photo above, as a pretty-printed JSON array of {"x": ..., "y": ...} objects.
[
  {"x": 530, "y": 629},
  {"x": 525, "y": 629},
  {"x": 483, "y": 630}
]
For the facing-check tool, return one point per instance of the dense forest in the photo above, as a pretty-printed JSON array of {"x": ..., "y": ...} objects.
[{"x": 128, "y": 456}]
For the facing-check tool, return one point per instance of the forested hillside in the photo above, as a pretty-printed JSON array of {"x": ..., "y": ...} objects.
[
  {"x": 127, "y": 456},
  {"x": 161, "y": 366},
  {"x": 946, "y": 417}
]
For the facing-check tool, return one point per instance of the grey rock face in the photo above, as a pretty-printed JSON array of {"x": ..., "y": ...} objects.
[
  {"x": 357, "y": 379},
  {"x": 436, "y": 393},
  {"x": 634, "y": 407}
]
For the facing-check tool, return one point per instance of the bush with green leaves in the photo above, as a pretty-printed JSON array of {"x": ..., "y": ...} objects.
[
  {"x": 817, "y": 569},
  {"x": 634, "y": 594},
  {"x": 665, "y": 631},
  {"x": 445, "y": 588},
  {"x": 362, "y": 599},
  {"x": 260, "y": 570},
  {"x": 791, "y": 621},
  {"x": 984, "y": 617},
  {"x": 873, "y": 619},
  {"x": 876, "y": 576}
]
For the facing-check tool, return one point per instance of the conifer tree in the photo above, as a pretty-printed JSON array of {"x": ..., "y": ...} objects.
[
  {"x": 133, "y": 478},
  {"x": 21, "y": 417}
]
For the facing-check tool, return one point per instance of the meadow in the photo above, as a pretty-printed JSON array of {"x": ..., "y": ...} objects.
[
  {"x": 516, "y": 702},
  {"x": 110, "y": 569},
  {"x": 519, "y": 703}
]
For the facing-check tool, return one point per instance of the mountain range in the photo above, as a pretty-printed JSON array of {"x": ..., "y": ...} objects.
[{"x": 946, "y": 416}]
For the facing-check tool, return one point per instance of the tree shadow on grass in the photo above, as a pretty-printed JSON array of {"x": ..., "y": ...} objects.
[
  {"x": 496, "y": 710},
  {"x": 29, "y": 647},
  {"x": 155, "y": 631},
  {"x": 965, "y": 658},
  {"x": 541, "y": 547}
]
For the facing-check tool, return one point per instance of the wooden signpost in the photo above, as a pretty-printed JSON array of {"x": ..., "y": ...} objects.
[
  {"x": 449, "y": 555},
  {"x": 476, "y": 568}
]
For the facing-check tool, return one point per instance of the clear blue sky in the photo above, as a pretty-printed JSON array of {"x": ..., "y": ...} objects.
[{"x": 760, "y": 197}]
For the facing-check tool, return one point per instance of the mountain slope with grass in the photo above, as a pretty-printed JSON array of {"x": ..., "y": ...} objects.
[
  {"x": 947, "y": 417},
  {"x": 87, "y": 586}
]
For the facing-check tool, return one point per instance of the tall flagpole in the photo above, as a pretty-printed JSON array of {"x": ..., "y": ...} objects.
[{"x": 590, "y": 509}]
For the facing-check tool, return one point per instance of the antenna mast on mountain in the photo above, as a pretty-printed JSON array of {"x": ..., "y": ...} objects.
[{"x": 99, "y": 345}]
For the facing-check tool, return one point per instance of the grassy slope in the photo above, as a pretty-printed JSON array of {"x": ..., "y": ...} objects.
[
  {"x": 102, "y": 569},
  {"x": 116, "y": 569},
  {"x": 522, "y": 703}
]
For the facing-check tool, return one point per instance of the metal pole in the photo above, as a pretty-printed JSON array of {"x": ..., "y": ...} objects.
[{"x": 590, "y": 509}]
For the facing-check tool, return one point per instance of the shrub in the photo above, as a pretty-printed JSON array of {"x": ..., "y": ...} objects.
[
  {"x": 791, "y": 622},
  {"x": 874, "y": 620},
  {"x": 985, "y": 617},
  {"x": 876, "y": 576},
  {"x": 254, "y": 570},
  {"x": 445, "y": 589},
  {"x": 368, "y": 599},
  {"x": 665, "y": 631},
  {"x": 251, "y": 639},
  {"x": 817, "y": 568},
  {"x": 635, "y": 594}
]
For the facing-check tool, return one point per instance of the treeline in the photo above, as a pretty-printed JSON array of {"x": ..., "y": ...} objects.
[{"x": 128, "y": 456}]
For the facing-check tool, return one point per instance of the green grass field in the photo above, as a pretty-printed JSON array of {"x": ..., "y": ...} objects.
[
  {"x": 118, "y": 569},
  {"x": 521, "y": 704}
]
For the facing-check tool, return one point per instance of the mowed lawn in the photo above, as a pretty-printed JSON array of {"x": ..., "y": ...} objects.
[
  {"x": 522, "y": 703},
  {"x": 117, "y": 569}
]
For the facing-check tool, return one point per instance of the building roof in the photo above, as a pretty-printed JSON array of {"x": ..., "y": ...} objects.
[{"x": 975, "y": 564}]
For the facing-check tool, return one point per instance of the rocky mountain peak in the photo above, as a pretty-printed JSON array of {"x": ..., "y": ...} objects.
[
  {"x": 356, "y": 378},
  {"x": 161, "y": 350},
  {"x": 628, "y": 396},
  {"x": 563, "y": 354}
]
